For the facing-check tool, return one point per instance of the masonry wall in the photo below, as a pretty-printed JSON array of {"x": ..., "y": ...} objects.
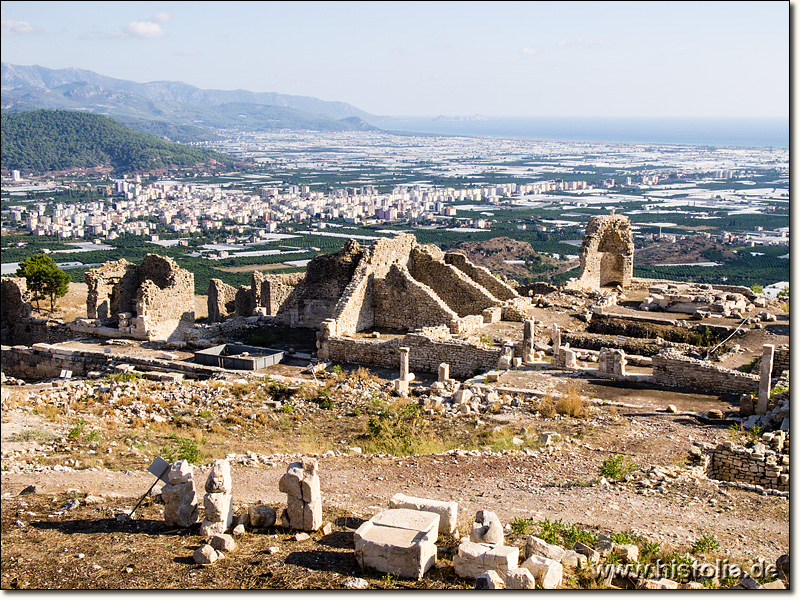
[
  {"x": 606, "y": 254},
  {"x": 111, "y": 289},
  {"x": 674, "y": 370},
  {"x": 481, "y": 276},
  {"x": 425, "y": 355},
  {"x": 780, "y": 362},
  {"x": 767, "y": 468},
  {"x": 164, "y": 300},
  {"x": 272, "y": 291},
  {"x": 221, "y": 300},
  {"x": 403, "y": 303},
  {"x": 458, "y": 291}
]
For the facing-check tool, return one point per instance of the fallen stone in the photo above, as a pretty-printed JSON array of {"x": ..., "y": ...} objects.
[
  {"x": 672, "y": 408},
  {"x": 774, "y": 585},
  {"x": 223, "y": 542},
  {"x": 490, "y": 580},
  {"x": 239, "y": 530},
  {"x": 31, "y": 489},
  {"x": 398, "y": 541},
  {"x": 219, "y": 480},
  {"x": 326, "y": 529},
  {"x": 518, "y": 579},
  {"x": 356, "y": 583},
  {"x": 447, "y": 511},
  {"x": 472, "y": 559},
  {"x": 262, "y": 515},
  {"x": 205, "y": 555},
  {"x": 587, "y": 551},
  {"x": 573, "y": 560},
  {"x": 535, "y": 545},
  {"x": 548, "y": 573},
  {"x": 487, "y": 529},
  {"x": 627, "y": 552},
  {"x": 301, "y": 537}
]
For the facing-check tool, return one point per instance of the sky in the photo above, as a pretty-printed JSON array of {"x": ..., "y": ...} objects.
[{"x": 528, "y": 59}]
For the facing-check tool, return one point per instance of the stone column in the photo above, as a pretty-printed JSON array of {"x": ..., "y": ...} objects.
[
  {"x": 401, "y": 384},
  {"x": 570, "y": 359},
  {"x": 556, "y": 336},
  {"x": 180, "y": 499},
  {"x": 300, "y": 483},
  {"x": 218, "y": 501},
  {"x": 765, "y": 384},
  {"x": 404, "y": 362},
  {"x": 528, "y": 337},
  {"x": 444, "y": 372}
]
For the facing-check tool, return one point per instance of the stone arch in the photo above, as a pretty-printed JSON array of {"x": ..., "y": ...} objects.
[{"x": 607, "y": 253}]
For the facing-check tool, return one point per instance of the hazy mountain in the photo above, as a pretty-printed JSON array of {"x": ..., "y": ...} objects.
[{"x": 185, "y": 107}]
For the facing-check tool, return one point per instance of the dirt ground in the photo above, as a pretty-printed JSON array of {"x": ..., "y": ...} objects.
[{"x": 46, "y": 546}]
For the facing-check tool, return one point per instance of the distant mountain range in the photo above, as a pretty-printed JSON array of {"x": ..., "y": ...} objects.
[{"x": 171, "y": 109}]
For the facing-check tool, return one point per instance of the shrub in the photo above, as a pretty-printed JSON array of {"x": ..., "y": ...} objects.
[
  {"x": 125, "y": 377},
  {"x": 572, "y": 405},
  {"x": 617, "y": 467},
  {"x": 546, "y": 407},
  {"x": 521, "y": 525},
  {"x": 184, "y": 449},
  {"x": 705, "y": 543},
  {"x": 565, "y": 534},
  {"x": 77, "y": 431}
]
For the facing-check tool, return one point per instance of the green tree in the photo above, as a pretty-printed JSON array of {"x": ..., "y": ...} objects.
[{"x": 44, "y": 279}]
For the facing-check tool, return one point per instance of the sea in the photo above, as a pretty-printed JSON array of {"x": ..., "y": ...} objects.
[{"x": 752, "y": 132}]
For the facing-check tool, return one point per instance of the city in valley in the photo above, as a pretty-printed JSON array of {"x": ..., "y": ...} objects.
[{"x": 375, "y": 360}]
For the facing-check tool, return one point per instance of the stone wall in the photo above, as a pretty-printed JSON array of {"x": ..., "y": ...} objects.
[
  {"x": 15, "y": 310},
  {"x": 154, "y": 301},
  {"x": 164, "y": 300},
  {"x": 221, "y": 300},
  {"x": 457, "y": 290},
  {"x": 402, "y": 302},
  {"x": 427, "y": 352},
  {"x": 766, "y": 465},
  {"x": 606, "y": 254},
  {"x": 272, "y": 291},
  {"x": 780, "y": 362},
  {"x": 481, "y": 276},
  {"x": 674, "y": 370},
  {"x": 111, "y": 289},
  {"x": 315, "y": 298}
]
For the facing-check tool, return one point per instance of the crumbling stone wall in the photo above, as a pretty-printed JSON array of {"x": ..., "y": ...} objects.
[
  {"x": 402, "y": 302},
  {"x": 427, "y": 352},
  {"x": 481, "y": 276},
  {"x": 272, "y": 291},
  {"x": 164, "y": 300},
  {"x": 17, "y": 326},
  {"x": 221, "y": 300},
  {"x": 674, "y": 370},
  {"x": 457, "y": 290},
  {"x": 780, "y": 361},
  {"x": 765, "y": 464},
  {"x": 154, "y": 301},
  {"x": 111, "y": 289},
  {"x": 15, "y": 309},
  {"x": 315, "y": 298},
  {"x": 606, "y": 254}
]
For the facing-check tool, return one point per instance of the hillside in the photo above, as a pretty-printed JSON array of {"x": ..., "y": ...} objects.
[
  {"x": 494, "y": 254},
  {"x": 54, "y": 140},
  {"x": 184, "y": 112}
]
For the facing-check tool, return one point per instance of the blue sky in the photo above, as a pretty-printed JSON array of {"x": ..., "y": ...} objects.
[{"x": 644, "y": 59}]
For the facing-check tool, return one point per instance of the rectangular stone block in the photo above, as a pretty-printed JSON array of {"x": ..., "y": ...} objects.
[
  {"x": 447, "y": 511},
  {"x": 398, "y": 541}
]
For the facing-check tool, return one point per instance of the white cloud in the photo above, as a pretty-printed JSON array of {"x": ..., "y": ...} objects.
[
  {"x": 144, "y": 29},
  {"x": 11, "y": 27},
  {"x": 527, "y": 50}
]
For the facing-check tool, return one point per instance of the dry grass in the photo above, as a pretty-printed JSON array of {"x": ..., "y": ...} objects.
[{"x": 572, "y": 404}]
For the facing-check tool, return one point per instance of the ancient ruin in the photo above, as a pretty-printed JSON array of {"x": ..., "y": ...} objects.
[
  {"x": 154, "y": 301},
  {"x": 606, "y": 258}
]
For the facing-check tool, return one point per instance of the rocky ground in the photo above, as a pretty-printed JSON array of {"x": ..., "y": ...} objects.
[{"x": 92, "y": 442}]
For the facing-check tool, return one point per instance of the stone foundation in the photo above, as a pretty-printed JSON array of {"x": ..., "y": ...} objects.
[{"x": 673, "y": 370}]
